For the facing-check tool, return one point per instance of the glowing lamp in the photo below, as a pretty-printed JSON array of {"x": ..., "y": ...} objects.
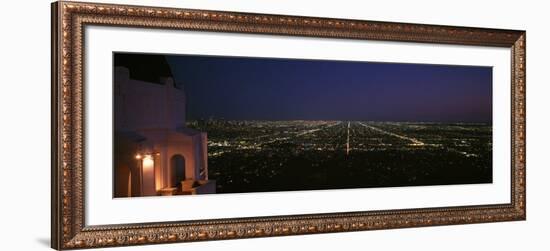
[{"x": 148, "y": 161}]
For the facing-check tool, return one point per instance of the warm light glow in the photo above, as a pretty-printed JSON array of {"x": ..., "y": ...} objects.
[
  {"x": 148, "y": 162},
  {"x": 138, "y": 156}
]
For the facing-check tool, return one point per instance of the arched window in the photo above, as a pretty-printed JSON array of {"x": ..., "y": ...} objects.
[{"x": 177, "y": 164}]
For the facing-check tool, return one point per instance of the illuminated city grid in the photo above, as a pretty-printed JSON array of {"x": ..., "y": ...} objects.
[
  {"x": 280, "y": 124},
  {"x": 259, "y": 156}
]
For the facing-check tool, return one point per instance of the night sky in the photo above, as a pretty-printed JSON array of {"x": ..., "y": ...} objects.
[{"x": 240, "y": 88}]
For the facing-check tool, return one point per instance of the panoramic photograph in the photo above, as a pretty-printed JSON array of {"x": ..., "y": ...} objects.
[{"x": 196, "y": 124}]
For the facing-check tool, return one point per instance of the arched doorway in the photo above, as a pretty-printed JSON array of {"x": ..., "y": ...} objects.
[{"x": 177, "y": 165}]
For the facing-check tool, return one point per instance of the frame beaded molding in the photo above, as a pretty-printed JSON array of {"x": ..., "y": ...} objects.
[{"x": 68, "y": 226}]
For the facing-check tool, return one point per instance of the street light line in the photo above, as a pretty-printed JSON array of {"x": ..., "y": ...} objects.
[
  {"x": 347, "y": 143},
  {"x": 413, "y": 140}
]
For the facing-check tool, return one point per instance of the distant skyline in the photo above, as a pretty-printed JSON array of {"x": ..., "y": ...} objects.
[{"x": 241, "y": 88}]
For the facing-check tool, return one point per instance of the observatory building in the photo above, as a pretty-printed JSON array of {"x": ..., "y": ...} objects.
[{"x": 154, "y": 152}]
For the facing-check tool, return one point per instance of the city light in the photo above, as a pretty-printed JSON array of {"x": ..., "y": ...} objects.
[{"x": 247, "y": 155}]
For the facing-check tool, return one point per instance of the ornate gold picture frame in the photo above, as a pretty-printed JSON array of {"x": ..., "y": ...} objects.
[{"x": 69, "y": 230}]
